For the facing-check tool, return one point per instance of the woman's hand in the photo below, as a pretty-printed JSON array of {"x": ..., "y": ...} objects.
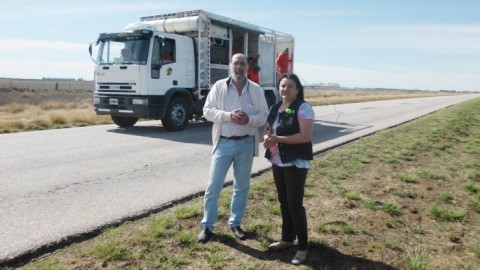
[{"x": 269, "y": 140}]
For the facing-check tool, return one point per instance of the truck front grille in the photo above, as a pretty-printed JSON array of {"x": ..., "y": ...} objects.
[{"x": 115, "y": 87}]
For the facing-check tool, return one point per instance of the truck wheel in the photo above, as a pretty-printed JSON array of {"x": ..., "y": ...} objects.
[
  {"x": 270, "y": 97},
  {"x": 124, "y": 121},
  {"x": 176, "y": 115}
]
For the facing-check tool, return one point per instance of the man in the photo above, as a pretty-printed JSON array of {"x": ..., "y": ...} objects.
[
  {"x": 237, "y": 107},
  {"x": 282, "y": 62}
]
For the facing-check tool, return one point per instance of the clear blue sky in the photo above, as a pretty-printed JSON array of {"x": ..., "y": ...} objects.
[{"x": 409, "y": 44}]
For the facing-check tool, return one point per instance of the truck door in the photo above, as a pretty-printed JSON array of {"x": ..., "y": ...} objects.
[{"x": 164, "y": 62}]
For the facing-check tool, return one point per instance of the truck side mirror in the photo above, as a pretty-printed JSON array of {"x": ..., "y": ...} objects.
[{"x": 90, "y": 51}]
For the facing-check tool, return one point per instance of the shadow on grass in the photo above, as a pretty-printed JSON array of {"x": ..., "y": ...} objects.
[{"x": 319, "y": 256}]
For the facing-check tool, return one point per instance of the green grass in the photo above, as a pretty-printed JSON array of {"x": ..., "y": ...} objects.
[
  {"x": 394, "y": 246},
  {"x": 472, "y": 187},
  {"x": 336, "y": 227},
  {"x": 349, "y": 229},
  {"x": 429, "y": 174},
  {"x": 476, "y": 248},
  {"x": 403, "y": 193},
  {"x": 474, "y": 203},
  {"x": 392, "y": 208},
  {"x": 350, "y": 195},
  {"x": 406, "y": 177},
  {"x": 417, "y": 262},
  {"x": 113, "y": 247},
  {"x": 218, "y": 260},
  {"x": 188, "y": 211},
  {"x": 446, "y": 196},
  {"x": 443, "y": 214},
  {"x": 112, "y": 251}
]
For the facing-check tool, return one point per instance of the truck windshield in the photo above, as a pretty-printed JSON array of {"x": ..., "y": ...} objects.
[{"x": 123, "y": 51}]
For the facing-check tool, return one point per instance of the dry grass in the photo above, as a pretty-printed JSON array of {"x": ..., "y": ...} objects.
[
  {"x": 328, "y": 96},
  {"x": 27, "y": 110},
  {"x": 17, "y": 117}
]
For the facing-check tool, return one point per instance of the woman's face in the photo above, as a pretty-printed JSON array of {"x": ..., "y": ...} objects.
[{"x": 288, "y": 89}]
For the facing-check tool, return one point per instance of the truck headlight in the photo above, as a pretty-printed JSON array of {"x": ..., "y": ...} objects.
[
  {"x": 96, "y": 100},
  {"x": 140, "y": 101}
]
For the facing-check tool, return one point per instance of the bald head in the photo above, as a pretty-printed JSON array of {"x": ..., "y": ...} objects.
[{"x": 239, "y": 57}]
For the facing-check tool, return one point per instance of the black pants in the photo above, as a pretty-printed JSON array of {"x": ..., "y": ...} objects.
[{"x": 290, "y": 183}]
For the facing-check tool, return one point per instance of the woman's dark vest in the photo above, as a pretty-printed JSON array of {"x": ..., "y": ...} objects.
[{"x": 288, "y": 125}]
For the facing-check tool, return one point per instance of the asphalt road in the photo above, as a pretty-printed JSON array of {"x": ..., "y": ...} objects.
[{"x": 57, "y": 186}]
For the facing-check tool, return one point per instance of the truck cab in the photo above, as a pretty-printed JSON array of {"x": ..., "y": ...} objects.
[{"x": 137, "y": 70}]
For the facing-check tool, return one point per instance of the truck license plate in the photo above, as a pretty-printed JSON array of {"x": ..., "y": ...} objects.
[{"x": 113, "y": 101}]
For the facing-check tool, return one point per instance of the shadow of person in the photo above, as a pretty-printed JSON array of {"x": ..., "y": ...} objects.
[
  {"x": 319, "y": 256},
  {"x": 323, "y": 257}
]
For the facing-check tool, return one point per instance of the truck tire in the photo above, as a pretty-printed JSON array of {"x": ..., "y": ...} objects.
[
  {"x": 270, "y": 97},
  {"x": 124, "y": 121},
  {"x": 176, "y": 116}
]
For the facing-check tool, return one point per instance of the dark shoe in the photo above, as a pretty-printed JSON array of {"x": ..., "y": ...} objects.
[
  {"x": 205, "y": 235},
  {"x": 239, "y": 233}
]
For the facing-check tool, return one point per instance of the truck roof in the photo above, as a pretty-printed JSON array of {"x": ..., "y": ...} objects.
[{"x": 222, "y": 20}]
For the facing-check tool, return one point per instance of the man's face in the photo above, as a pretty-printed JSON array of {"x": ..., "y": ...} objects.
[{"x": 238, "y": 67}]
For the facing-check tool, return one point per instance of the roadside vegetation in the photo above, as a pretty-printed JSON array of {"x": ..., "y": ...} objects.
[
  {"x": 28, "y": 110},
  {"x": 320, "y": 96},
  {"x": 18, "y": 117},
  {"x": 403, "y": 198}
]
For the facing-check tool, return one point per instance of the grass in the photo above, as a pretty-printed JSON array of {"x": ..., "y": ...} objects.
[
  {"x": 406, "y": 177},
  {"x": 476, "y": 249},
  {"x": 403, "y": 193},
  {"x": 321, "y": 96},
  {"x": 443, "y": 214},
  {"x": 393, "y": 209},
  {"x": 446, "y": 197},
  {"x": 416, "y": 262},
  {"x": 361, "y": 214},
  {"x": 16, "y": 117},
  {"x": 429, "y": 174},
  {"x": 472, "y": 187}
]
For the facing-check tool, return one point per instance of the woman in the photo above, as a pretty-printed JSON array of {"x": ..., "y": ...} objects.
[{"x": 287, "y": 141}]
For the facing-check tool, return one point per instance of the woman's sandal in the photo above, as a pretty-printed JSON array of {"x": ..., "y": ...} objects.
[{"x": 300, "y": 257}]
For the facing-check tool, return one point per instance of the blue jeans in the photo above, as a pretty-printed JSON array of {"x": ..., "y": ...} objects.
[{"x": 240, "y": 153}]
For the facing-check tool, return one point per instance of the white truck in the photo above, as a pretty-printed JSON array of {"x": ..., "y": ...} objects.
[{"x": 164, "y": 66}]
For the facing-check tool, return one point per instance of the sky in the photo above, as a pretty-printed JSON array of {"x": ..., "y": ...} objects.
[{"x": 402, "y": 44}]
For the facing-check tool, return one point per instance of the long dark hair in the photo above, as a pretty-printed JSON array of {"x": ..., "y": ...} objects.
[{"x": 297, "y": 82}]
